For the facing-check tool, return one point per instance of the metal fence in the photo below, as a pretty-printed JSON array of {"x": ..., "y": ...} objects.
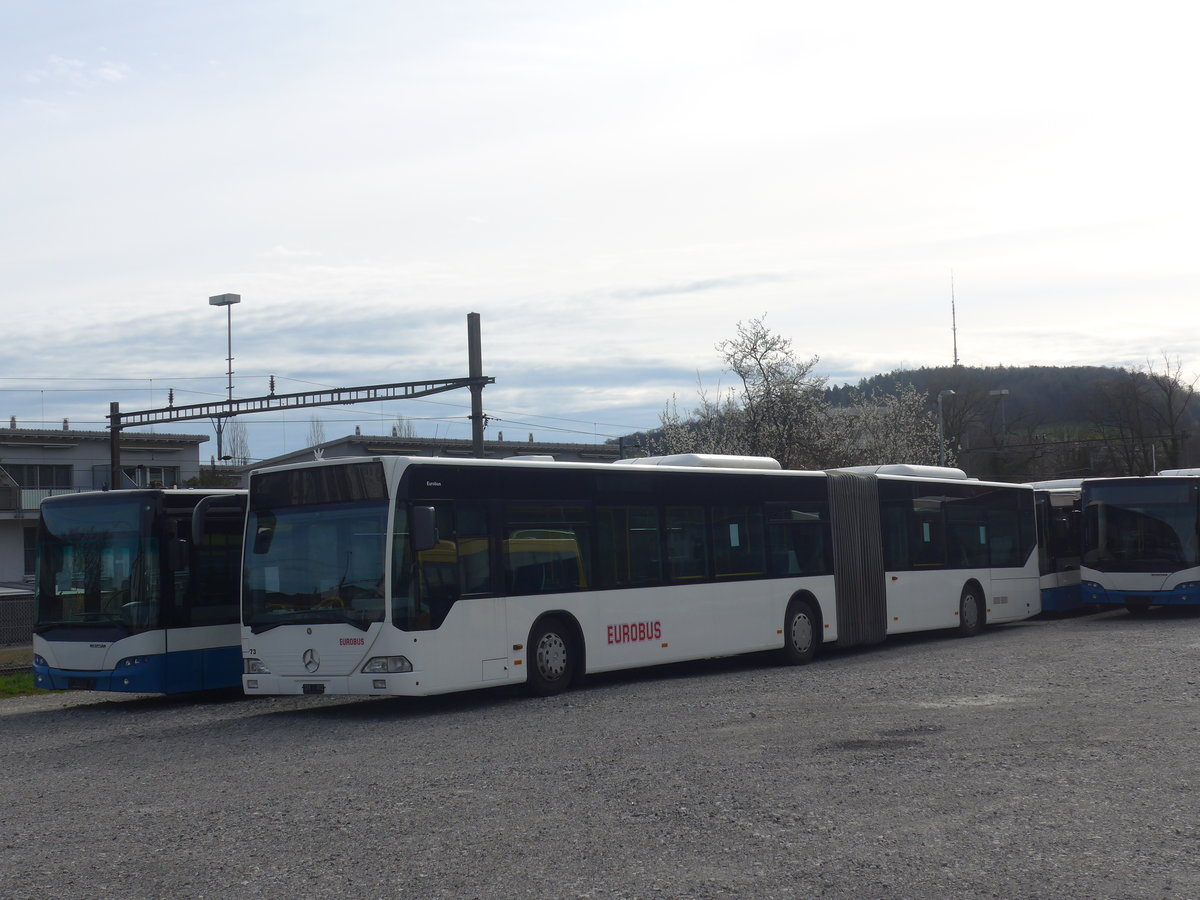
[
  {"x": 16, "y": 620},
  {"x": 16, "y": 630}
]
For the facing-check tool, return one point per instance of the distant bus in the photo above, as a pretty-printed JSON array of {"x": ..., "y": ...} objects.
[
  {"x": 1058, "y": 516},
  {"x": 1140, "y": 542},
  {"x": 393, "y": 575},
  {"x": 126, "y": 600}
]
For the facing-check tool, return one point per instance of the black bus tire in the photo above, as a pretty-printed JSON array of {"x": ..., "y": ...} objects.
[
  {"x": 801, "y": 633},
  {"x": 553, "y": 657},
  {"x": 971, "y": 611}
]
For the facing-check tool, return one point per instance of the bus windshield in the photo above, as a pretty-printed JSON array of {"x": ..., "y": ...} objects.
[
  {"x": 315, "y": 564},
  {"x": 1140, "y": 526},
  {"x": 98, "y": 568}
]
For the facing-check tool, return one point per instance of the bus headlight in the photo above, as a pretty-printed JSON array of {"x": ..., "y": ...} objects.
[
  {"x": 252, "y": 666},
  {"x": 39, "y": 660},
  {"x": 387, "y": 664}
]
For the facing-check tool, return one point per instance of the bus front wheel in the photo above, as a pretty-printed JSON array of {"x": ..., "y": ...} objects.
[
  {"x": 552, "y": 657},
  {"x": 970, "y": 611},
  {"x": 800, "y": 634}
]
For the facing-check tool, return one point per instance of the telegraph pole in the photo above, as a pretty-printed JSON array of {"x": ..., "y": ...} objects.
[{"x": 475, "y": 376}]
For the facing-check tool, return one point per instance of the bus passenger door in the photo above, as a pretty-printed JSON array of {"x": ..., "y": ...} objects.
[{"x": 456, "y": 580}]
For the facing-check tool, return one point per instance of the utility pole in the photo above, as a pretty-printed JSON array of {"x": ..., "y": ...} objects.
[{"x": 475, "y": 376}]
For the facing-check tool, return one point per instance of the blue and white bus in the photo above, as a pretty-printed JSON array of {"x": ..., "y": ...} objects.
[
  {"x": 1141, "y": 540},
  {"x": 410, "y": 576},
  {"x": 137, "y": 590},
  {"x": 1058, "y": 518}
]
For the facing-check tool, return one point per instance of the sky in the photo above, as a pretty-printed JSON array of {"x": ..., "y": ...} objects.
[{"x": 612, "y": 186}]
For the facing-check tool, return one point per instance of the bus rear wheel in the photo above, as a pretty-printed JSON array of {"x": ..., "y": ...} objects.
[
  {"x": 970, "y": 612},
  {"x": 553, "y": 658},
  {"x": 800, "y": 634}
]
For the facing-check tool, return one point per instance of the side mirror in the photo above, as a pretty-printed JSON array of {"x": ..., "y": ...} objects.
[{"x": 424, "y": 535}]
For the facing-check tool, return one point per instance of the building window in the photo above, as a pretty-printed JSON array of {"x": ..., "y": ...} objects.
[
  {"x": 151, "y": 476},
  {"x": 34, "y": 476}
]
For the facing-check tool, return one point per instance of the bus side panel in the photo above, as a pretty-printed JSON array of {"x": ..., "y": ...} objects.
[
  {"x": 928, "y": 600},
  {"x": 640, "y": 628},
  {"x": 204, "y": 658},
  {"x": 477, "y": 653},
  {"x": 1014, "y": 594}
]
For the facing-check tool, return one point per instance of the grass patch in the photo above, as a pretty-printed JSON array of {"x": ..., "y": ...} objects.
[{"x": 18, "y": 685}]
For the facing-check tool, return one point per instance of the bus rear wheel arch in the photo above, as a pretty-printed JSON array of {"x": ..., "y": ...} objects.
[
  {"x": 972, "y": 611},
  {"x": 554, "y": 656},
  {"x": 801, "y": 630}
]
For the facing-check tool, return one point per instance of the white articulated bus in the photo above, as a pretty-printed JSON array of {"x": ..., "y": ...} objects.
[
  {"x": 137, "y": 591},
  {"x": 1141, "y": 540},
  {"x": 394, "y": 575}
]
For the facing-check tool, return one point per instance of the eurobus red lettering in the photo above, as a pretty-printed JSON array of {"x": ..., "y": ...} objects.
[{"x": 632, "y": 632}]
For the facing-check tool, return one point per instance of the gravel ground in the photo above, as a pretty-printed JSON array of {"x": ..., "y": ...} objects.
[{"x": 1054, "y": 758}]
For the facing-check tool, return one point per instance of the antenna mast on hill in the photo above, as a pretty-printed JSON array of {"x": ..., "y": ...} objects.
[{"x": 953, "y": 319}]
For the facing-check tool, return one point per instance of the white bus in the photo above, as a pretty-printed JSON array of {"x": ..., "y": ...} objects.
[
  {"x": 411, "y": 576},
  {"x": 137, "y": 591},
  {"x": 1141, "y": 540}
]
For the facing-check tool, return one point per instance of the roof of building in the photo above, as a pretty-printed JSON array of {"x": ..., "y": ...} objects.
[{"x": 73, "y": 436}]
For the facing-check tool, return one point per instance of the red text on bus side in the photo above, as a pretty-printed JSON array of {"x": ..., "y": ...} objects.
[
  {"x": 351, "y": 642},
  {"x": 634, "y": 631}
]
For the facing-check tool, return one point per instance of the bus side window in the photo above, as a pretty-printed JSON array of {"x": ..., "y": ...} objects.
[
  {"x": 738, "y": 542},
  {"x": 627, "y": 541},
  {"x": 474, "y": 549},
  {"x": 438, "y": 568},
  {"x": 212, "y": 590},
  {"x": 687, "y": 544},
  {"x": 545, "y": 550},
  {"x": 799, "y": 539},
  {"x": 928, "y": 533}
]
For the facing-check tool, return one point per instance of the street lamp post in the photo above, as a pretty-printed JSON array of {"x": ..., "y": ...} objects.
[
  {"x": 227, "y": 301},
  {"x": 942, "y": 427}
]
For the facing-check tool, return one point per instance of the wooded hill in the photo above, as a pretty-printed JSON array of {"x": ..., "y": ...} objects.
[{"x": 1023, "y": 423}]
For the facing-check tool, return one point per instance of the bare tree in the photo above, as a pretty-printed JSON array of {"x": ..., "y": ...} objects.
[
  {"x": 1171, "y": 397},
  {"x": 781, "y": 406},
  {"x": 237, "y": 443},
  {"x": 780, "y": 409},
  {"x": 316, "y": 432},
  {"x": 879, "y": 428},
  {"x": 404, "y": 428},
  {"x": 1139, "y": 412}
]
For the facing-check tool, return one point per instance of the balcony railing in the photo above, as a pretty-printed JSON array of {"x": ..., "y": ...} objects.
[
  {"x": 31, "y": 498},
  {"x": 27, "y": 500}
]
